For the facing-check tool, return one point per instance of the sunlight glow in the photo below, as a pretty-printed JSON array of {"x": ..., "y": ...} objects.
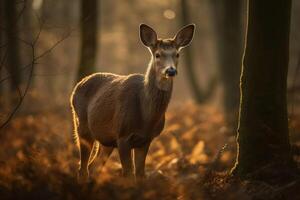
[
  {"x": 37, "y": 4},
  {"x": 169, "y": 14}
]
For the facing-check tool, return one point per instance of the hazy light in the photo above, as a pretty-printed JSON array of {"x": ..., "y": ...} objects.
[
  {"x": 37, "y": 4},
  {"x": 169, "y": 14}
]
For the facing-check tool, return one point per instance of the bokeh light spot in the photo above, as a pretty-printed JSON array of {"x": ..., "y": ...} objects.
[{"x": 169, "y": 14}]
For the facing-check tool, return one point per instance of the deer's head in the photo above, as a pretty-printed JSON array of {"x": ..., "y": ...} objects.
[{"x": 165, "y": 52}]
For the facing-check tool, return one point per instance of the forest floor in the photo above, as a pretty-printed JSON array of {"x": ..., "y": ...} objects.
[{"x": 191, "y": 159}]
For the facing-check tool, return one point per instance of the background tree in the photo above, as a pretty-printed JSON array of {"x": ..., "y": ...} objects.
[
  {"x": 88, "y": 40},
  {"x": 263, "y": 136},
  {"x": 200, "y": 95},
  {"x": 11, "y": 35},
  {"x": 2, "y": 43},
  {"x": 228, "y": 17}
]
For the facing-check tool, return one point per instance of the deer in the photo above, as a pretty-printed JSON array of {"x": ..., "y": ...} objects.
[{"x": 126, "y": 111}]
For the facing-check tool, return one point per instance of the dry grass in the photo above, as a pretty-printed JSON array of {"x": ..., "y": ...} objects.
[{"x": 38, "y": 160}]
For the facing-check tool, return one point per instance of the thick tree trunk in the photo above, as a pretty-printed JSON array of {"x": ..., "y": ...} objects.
[
  {"x": 229, "y": 28},
  {"x": 263, "y": 137},
  {"x": 88, "y": 23},
  {"x": 13, "y": 55},
  {"x": 2, "y": 47}
]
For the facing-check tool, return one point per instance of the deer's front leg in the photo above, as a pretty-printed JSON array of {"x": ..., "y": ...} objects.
[
  {"x": 139, "y": 159},
  {"x": 125, "y": 157}
]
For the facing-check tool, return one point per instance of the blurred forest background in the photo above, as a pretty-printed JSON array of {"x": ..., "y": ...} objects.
[
  {"x": 213, "y": 59},
  {"x": 43, "y": 54}
]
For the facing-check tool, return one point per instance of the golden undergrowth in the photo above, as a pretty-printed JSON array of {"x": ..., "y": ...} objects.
[{"x": 189, "y": 160}]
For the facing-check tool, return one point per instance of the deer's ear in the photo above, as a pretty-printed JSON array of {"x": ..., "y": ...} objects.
[
  {"x": 148, "y": 35},
  {"x": 184, "y": 36}
]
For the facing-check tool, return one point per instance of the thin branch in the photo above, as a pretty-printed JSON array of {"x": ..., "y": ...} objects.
[
  {"x": 39, "y": 56},
  {"x": 32, "y": 66},
  {"x": 53, "y": 46},
  {"x": 21, "y": 96}
]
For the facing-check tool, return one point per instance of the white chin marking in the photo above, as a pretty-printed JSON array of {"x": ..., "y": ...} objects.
[{"x": 168, "y": 77}]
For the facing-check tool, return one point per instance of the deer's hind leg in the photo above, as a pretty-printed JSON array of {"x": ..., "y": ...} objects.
[
  {"x": 104, "y": 154},
  {"x": 86, "y": 143}
]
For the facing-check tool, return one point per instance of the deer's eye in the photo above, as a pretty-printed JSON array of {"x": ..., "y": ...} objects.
[
  {"x": 157, "y": 55},
  {"x": 177, "y": 55}
]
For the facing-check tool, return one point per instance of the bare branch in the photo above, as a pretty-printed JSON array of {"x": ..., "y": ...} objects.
[
  {"x": 22, "y": 96},
  {"x": 39, "y": 56},
  {"x": 31, "y": 66}
]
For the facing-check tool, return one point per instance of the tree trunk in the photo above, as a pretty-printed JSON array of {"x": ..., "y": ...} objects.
[
  {"x": 88, "y": 23},
  {"x": 263, "y": 137},
  {"x": 2, "y": 47},
  {"x": 13, "y": 54},
  {"x": 28, "y": 27},
  {"x": 199, "y": 94},
  {"x": 229, "y": 29}
]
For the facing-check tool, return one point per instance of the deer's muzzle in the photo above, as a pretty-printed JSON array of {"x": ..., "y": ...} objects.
[{"x": 171, "y": 71}]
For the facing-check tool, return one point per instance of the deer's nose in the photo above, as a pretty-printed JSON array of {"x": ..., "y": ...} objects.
[{"x": 171, "y": 71}]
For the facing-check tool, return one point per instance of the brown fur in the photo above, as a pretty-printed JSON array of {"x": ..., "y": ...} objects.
[{"x": 126, "y": 112}]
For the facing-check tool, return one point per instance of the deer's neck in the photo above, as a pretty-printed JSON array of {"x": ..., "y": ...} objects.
[{"x": 157, "y": 93}]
